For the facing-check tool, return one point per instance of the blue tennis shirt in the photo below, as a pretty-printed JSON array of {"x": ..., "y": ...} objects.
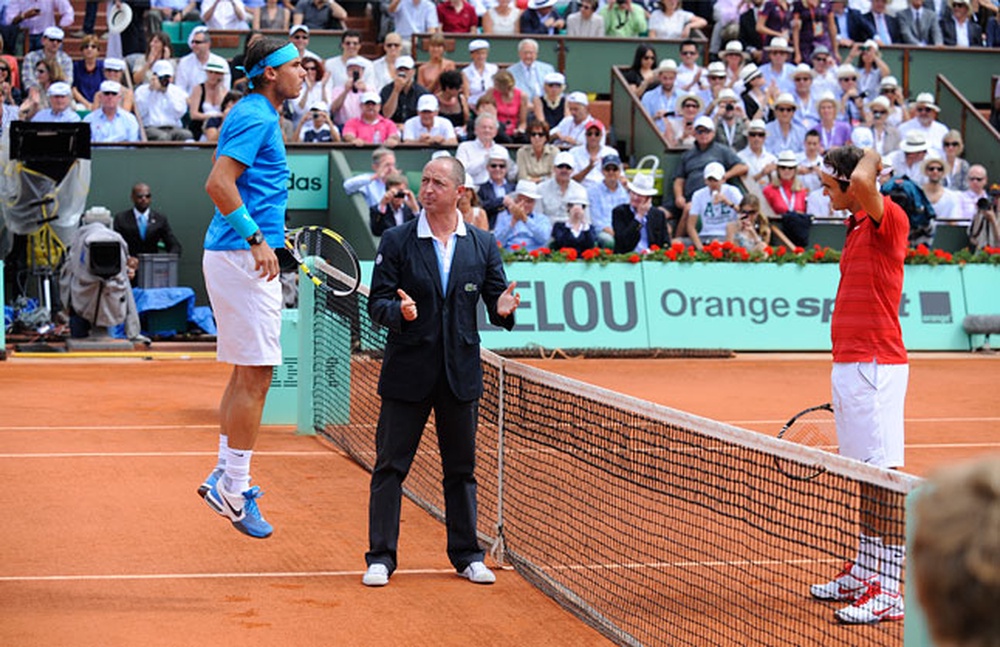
[{"x": 251, "y": 135}]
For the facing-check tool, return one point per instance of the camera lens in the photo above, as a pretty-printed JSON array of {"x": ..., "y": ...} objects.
[{"x": 400, "y": 194}]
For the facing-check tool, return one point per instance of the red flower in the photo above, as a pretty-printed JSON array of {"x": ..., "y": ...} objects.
[
  {"x": 744, "y": 254},
  {"x": 798, "y": 250},
  {"x": 654, "y": 248},
  {"x": 677, "y": 246},
  {"x": 544, "y": 250},
  {"x": 672, "y": 253},
  {"x": 569, "y": 252},
  {"x": 819, "y": 253},
  {"x": 515, "y": 247},
  {"x": 715, "y": 252},
  {"x": 782, "y": 250},
  {"x": 634, "y": 258},
  {"x": 768, "y": 250},
  {"x": 922, "y": 250},
  {"x": 607, "y": 252},
  {"x": 692, "y": 252},
  {"x": 534, "y": 253},
  {"x": 728, "y": 245},
  {"x": 589, "y": 254}
]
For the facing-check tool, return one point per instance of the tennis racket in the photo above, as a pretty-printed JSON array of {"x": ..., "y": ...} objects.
[
  {"x": 813, "y": 427},
  {"x": 325, "y": 258}
]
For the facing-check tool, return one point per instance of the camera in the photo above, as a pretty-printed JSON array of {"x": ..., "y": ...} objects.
[
  {"x": 730, "y": 107},
  {"x": 355, "y": 74},
  {"x": 400, "y": 194},
  {"x": 863, "y": 95}
]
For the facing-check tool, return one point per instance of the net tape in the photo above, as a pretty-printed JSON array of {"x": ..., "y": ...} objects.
[{"x": 652, "y": 525}]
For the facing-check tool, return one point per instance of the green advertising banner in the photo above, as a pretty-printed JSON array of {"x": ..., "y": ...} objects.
[
  {"x": 574, "y": 306},
  {"x": 932, "y": 308},
  {"x": 308, "y": 181}
]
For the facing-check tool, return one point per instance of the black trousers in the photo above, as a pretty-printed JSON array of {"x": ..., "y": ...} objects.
[{"x": 400, "y": 426}]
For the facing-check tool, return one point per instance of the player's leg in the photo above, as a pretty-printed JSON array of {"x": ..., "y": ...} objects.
[
  {"x": 397, "y": 437},
  {"x": 456, "y": 430}
]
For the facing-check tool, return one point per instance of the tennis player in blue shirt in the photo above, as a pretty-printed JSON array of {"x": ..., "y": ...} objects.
[{"x": 248, "y": 186}]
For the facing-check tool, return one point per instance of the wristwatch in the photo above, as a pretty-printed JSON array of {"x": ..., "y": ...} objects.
[{"x": 256, "y": 238}]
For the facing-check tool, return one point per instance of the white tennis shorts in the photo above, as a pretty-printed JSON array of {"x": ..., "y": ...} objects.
[
  {"x": 868, "y": 400},
  {"x": 247, "y": 309}
]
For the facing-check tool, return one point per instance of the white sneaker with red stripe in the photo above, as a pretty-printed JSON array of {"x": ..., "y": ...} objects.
[
  {"x": 874, "y": 606},
  {"x": 846, "y": 587}
]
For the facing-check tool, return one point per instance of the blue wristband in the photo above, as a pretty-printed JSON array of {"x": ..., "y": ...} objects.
[{"x": 241, "y": 221}]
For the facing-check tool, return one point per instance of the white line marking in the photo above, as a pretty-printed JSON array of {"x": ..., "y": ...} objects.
[
  {"x": 156, "y": 454},
  {"x": 208, "y": 576},
  {"x": 107, "y": 427}
]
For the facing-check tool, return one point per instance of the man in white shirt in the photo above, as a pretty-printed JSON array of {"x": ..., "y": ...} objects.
[
  {"x": 299, "y": 36},
  {"x": 570, "y": 131},
  {"x": 191, "y": 68},
  {"x": 926, "y": 122},
  {"x": 336, "y": 66},
  {"x": 474, "y": 154},
  {"x": 760, "y": 163},
  {"x": 414, "y": 17},
  {"x": 691, "y": 77},
  {"x": 555, "y": 189},
  {"x": 909, "y": 159},
  {"x": 230, "y": 15},
  {"x": 529, "y": 73},
  {"x": 978, "y": 181},
  {"x": 712, "y": 207},
  {"x": 661, "y": 101},
  {"x": 604, "y": 197},
  {"x": 109, "y": 123},
  {"x": 161, "y": 104},
  {"x": 427, "y": 127},
  {"x": 59, "y": 110}
]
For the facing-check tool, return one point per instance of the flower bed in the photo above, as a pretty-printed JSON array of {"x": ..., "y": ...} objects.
[{"x": 716, "y": 252}]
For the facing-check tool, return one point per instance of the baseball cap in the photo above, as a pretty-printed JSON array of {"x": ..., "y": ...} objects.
[
  {"x": 563, "y": 158},
  {"x": 611, "y": 160},
  {"x": 427, "y": 103},
  {"x": 114, "y": 87},
  {"x": 53, "y": 33},
  {"x": 714, "y": 171},
  {"x": 578, "y": 97},
  {"x": 704, "y": 121},
  {"x": 478, "y": 44},
  {"x": 355, "y": 61},
  {"x": 297, "y": 28},
  {"x": 553, "y": 78},
  {"x": 114, "y": 64},
  {"x": 370, "y": 97},
  {"x": 321, "y": 106},
  {"x": 404, "y": 63},
  {"x": 163, "y": 67},
  {"x": 60, "y": 89},
  {"x": 498, "y": 152},
  {"x": 528, "y": 189}
]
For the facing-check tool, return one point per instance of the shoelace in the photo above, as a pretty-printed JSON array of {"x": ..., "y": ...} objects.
[
  {"x": 251, "y": 504},
  {"x": 873, "y": 590}
]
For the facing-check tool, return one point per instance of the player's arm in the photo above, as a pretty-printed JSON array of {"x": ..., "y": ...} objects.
[
  {"x": 864, "y": 184},
  {"x": 221, "y": 188}
]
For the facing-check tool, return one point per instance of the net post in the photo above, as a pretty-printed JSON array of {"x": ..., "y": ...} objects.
[
  {"x": 305, "y": 420},
  {"x": 498, "y": 548}
]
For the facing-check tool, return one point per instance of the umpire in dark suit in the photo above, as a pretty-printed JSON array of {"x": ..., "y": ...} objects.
[
  {"x": 145, "y": 238},
  {"x": 428, "y": 278}
]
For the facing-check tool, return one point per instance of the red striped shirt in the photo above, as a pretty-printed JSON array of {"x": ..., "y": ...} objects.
[{"x": 865, "y": 324}]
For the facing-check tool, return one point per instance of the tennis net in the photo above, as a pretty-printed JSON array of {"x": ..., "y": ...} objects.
[{"x": 652, "y": 525}]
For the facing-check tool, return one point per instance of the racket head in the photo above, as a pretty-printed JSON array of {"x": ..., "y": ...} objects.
[
  {"x": 812, "y": 427},
  {"x": 326, "y": 258}
]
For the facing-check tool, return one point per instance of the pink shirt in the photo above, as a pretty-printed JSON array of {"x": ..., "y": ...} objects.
[{"x": 381, "y": 130}]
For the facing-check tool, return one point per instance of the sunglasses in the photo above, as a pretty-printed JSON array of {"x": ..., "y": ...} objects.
[
  {"x": 301, "y": 36},
  {"x": 198, "y": 42},
  {"x": 41, "y": 70},
  {"x": 848, "y": 78},
  {"x": 784, "y": 109},
  {"x": 755, "y": 134},
  {"x": 748, "y": 213},
  {"x": 649, "y": 57},
  {"x": 976, "y": 179},
  {"x": 90, "y": 46},
  {"x": 878, "y": 113},
  {"x": 144, "y": 195},
  {"x": 951, "y": 144},
  {"x": 593, "y": 133},
  {"x": 538, "y": 135},
  {"x": 820, "y": 59},
  {"x": 570, "y": 167},
  {"x": 106, "y": 93},
  {"x": 923, "y": 109},
  {"x": 939, "y": 169},
  {"x": 690, "y": 105},
  {"x": 689, "y": 53},
  {"x": 611, "y": 169},
  {"x": 309, "y": 68},
  {"x": 498, "y": 166},
  {"x": 392, "y": 45}
]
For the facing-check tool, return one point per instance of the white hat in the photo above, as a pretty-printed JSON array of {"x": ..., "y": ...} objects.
[
  {"x": 733, "y": 47},
  {"x": 915, "y": 142},
  {"x": 119, "y": 18},
  {"x": 820, "y": 50},
  {"x": 528, "y": 189},
  {"x": 704, "y": 121},
  {"x": 321, "y": 106},
  {"x": 714, "y": 171},
  {"x": 726, "y": 94},
  {"x": 846, "y": 69},
  {"x": 788, "y": 159},
  {"x": 965, "y": 2},
  {"x": 427, "y": 102},
  {"x": 862, "y": 137},
  {"x": 690, "y": 97},
  {"x": 931, "y": 157},
  {"x": 163, "y": 67},
  {"x": 114, "y": 64},
  {"x": 298, "y": 28},
  {"x": 667, "y": 65},
  {"x": 785, "y": 99},
  {"x": 927, "y": 99},
  {"x": 576, "y": 194},
  {"x": 562, "y": 158},
  {"x": 717, "y": 68},
  {"x": 757, "y": 125},
  {"x": 881, "y": 102},
  {"x": 779, "y": 44},
  {"x": 60, "y": 89},
  {"x": 827, "y": 96},
  {"x": 540, "y": 4},
  {"x": 478, "y": 44},
  {"x": 803, "y": 69},
  {"x": 469, "y": 182},
  {"x": 642, "y": 184},
  {"x": 200, "y": 29},
  {"x": 577, "y": 97},
  {"x": 356, "y": 61},
  {"x": 370, "y": 96},
  {"x": 498, "y": 152},
  {"x": 437, "y": 154},
  {"x": 114, "y": 87},
  {"x": 870, "y": 44},
  {"x": 889, "y": 82},
  {"x": 749, "y": 72},
  {"x": 404, "y": 62},
  {"x": 216, "y": 65},
  {"x": 553, "y": 78},
  {"x": 53, "y": 33}
]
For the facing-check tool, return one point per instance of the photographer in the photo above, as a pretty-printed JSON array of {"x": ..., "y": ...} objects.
[
  {"x": 161, "y": 104},
  {"x": 399, "y": 98},
  {"x": 984, "y": 230},
  {"x": 871, "y": 68},
  {"x": 345, "y": 99},
  {"x": 317, "y": 127},
  {"x": 397, "y": 206}
]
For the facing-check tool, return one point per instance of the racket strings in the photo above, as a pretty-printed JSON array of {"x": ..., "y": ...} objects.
[{"x": 331, "y": 259}]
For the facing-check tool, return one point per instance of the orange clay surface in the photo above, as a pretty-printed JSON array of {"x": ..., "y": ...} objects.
[{"x": 104, "y": 542}]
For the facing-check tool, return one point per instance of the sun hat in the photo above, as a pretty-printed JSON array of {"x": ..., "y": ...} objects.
[
  {"x": 927, "y": 99},
  {"x": 749, "y": 72},
  {"x": 60, "y": 89},
  {"x": 788, "y": 159},
  {"x": 54, "y": 33},
  {"x": 915, "y": 142},
  {"x": 756, "y": 126},
  {"x": 717, "y": 68},
  {"x": 690, "y": 97},
  {"x": 216, "y": 65},
  {"x": 779, "y": 44},
  {"x": 112, "y": 87},
  {"x": 845, "y": 70},
  {"x": 119, "y": 18},
  {"x": 478, "y": 44},
  {"x": 115, "y": 64},
  {"x": 803, "y": 69},
  {"x": 667, "y": 65},
  {"x": 642, "y": 184},
  {"x": 785, "y": 99}
]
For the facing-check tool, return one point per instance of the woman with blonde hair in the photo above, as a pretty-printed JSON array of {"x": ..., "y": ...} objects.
[
  {"x": 512, "y": 106},
  {"x": 47, "y": 72},
  {"x": 956, "y": 168},
  {"x": 787, "y": 196},
  {"x": 751, "y": 231},
  {"x": 430, "y": 71},
  {"x": 502, "y": 19}
]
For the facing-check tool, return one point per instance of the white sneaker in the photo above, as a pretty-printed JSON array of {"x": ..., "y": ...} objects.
[
  {"x": 843, "y": 588},
  {"x": 478, "y": 573},
  {"x": 874, "y": 606},
  {"x": 376, "y": 575}
]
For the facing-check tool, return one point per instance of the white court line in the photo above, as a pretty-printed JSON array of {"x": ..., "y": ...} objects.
[
  {"x": 208, "y": 576},
  {"x": 157, "y": 454},
  {"x": 106, "y": 427}
]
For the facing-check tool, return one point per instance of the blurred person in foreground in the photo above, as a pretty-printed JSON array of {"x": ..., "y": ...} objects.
[
  {"x": 429, "y": 276},
  {"x": 956, "y": 554},
  {"x": 869, "y": 377}
]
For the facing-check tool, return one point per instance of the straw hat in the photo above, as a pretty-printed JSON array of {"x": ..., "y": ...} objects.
[{"x": 642, "y": 184}]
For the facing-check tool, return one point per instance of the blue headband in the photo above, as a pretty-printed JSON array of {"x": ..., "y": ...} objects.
[{"x": 277, "y": 58}]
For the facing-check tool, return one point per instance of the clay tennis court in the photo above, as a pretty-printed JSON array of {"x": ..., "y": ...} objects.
[{"x": 106, "y": 543}]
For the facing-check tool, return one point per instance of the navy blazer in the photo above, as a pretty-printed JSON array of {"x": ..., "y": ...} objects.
[
  {"x": 378, "y": 221},
  {"x": 948, "y": 32},
  {"x": 857, "y": 29},
  {"x": 891, "y": 23},
  {"x": 489, "y": 201},
  {"x": 157, "y": 230},
  {"x": 627, "y": 232},
  {"x": 444, "y": 336}
]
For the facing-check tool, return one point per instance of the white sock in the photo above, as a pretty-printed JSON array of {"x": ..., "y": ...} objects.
[
  {"x": 220, "y": 463},
  {"x": 237, "y": 477},
  {"x": 869, "y": 552},
  {"x": 892, "y": 567}
]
